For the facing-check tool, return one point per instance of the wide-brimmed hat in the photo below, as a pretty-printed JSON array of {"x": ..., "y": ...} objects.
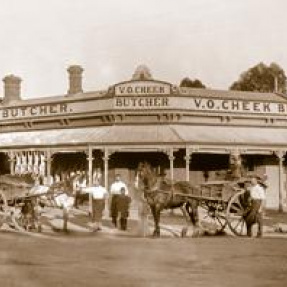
[
  {"x": 254, "y": 175},
  {"x": 261, "y": 178},
  {"x": 162, "y": 173}
]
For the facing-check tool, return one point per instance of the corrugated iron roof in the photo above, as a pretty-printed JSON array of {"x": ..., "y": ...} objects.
[
  {"x": 232, "y": 135},
  {"x": 57, "y": 98},
  {"x": 91, "y": 135},
  {"x": 52, "y": 137},
  {"x": 142, "y": 134},
  {"x": 237, "y": 95},
  {"x": 146, "y": 134}
]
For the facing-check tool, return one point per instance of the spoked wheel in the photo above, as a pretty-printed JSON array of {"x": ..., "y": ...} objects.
[
  {"x": 3, "y": 208},
  {"x": 235, "y": 213},
  {"x": 212, "y": 220},
  {"x": 27, "y": 221}
]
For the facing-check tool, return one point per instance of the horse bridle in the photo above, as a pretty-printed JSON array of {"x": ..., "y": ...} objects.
[{"x": 155, "y": 188}]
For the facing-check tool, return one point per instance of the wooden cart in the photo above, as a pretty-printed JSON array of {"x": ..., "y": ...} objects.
[
  {"x": 223, "y": 203},
  {"x": 19, "y": 208}
]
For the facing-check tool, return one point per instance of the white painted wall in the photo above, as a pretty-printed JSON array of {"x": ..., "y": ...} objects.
[{"x": 272, "y": 194}]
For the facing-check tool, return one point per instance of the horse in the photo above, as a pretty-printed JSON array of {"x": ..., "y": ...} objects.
[{"x": 161, "y": 194}]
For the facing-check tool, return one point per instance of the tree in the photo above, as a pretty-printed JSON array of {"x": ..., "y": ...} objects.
[
  {"x": 262, "y": 78},
  {"x": 188, "y": 83}
]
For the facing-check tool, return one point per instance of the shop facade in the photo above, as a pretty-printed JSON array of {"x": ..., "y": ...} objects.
[{"x": 190, "y": 134}]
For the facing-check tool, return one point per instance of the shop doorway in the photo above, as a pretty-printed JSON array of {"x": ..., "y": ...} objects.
[
  {"x": 65, "y": 164},
  {"x": 4, "y": 164}
]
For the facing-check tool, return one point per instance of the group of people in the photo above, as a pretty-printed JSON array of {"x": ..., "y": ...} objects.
[{"x": 119, "y": 203}]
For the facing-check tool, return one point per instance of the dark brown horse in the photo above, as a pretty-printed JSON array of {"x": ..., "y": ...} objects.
[{"x": 161, "y": 194}]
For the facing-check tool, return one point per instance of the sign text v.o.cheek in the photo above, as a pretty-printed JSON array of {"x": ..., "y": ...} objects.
[
  {"x": 142, "y": 88},
  {"x": 238, "y": 106}
]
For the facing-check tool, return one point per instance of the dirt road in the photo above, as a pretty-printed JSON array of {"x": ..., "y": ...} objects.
[{"x": 101, "y": 260}]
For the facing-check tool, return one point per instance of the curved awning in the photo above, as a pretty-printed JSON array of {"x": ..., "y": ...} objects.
[
  {"x": 232, "y": 135},
  {"x": 108, "y": 135},
  {"x": 147, "y": 135}
]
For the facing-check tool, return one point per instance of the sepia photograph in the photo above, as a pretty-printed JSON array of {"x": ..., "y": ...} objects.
[{"x": 143, "y": 143}]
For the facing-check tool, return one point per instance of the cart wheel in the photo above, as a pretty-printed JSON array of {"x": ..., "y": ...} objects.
[
  {"x": 235, "y": 212},
  {"x": 3, "y": 208},
  {"x": 211, "y": 220},
  {"x": 28, "y": 222}
]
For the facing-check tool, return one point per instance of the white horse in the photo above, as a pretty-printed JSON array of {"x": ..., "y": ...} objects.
[{"x": 55, "y": 197}]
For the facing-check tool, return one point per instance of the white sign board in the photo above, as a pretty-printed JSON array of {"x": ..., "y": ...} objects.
[
  {"x": 143, "y": 102},
  {"x": 142, "y": 88}
]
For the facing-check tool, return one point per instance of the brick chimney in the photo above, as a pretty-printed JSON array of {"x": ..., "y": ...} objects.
[
  {"x": 12, "y": 89},
  {"x": 75, "y": 79}
]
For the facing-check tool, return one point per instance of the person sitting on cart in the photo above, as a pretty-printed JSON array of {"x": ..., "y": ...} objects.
[{"x": 255, "y": 212}]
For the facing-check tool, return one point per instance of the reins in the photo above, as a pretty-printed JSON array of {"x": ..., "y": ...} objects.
[{"x": 152, "y": 185}]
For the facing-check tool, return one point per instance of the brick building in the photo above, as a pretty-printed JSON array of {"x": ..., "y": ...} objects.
[{"x": 188, "y": 133}]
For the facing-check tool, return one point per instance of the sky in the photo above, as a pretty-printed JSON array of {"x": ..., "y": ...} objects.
[{"x": 212, "y": 40}]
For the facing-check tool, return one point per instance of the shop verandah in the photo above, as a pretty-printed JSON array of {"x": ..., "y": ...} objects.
[
  {"x": 177, "y": 163},
  {"x": 192, "y": 153}
]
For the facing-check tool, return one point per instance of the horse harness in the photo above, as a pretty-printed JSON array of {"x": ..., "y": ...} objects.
[{"x": 151, "y": 193}]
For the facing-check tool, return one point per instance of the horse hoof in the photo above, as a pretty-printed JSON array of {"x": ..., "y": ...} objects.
[
  {"x": 156, "y": 234},
  {"x": 184, "y": 232},
  {"x": 39, "y": 229},
  {"x": 196, "y": 233}
]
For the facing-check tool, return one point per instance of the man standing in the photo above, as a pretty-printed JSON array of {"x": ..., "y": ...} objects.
[
  {"x": 115, "y": 191},
  {"x": 99, "y": 194},
  {"x": 76, "y": 188},
  {"x": 255, "y": 215},
  {"x": 123, "y": 206}
]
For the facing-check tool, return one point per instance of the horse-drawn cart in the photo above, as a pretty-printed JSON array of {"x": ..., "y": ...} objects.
[
  {"x": 212, "y": 205},
  {"x": 19, "y": 207},
  {"x": 222, "y": 204}
]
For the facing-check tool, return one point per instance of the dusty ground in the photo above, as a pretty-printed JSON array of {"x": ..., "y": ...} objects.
[
  {"x": 101, "y": 260},
  {"x": 119, "y": 259}
]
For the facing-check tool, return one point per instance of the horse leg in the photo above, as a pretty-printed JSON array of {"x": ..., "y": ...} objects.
[
  {"x": 158, "y": 210},
  {"x": 65, "y": 219},
  {"x": 156, "y": 216},
  {"x": 192, "y": 210},
  {"x": 187, "y": 219}
]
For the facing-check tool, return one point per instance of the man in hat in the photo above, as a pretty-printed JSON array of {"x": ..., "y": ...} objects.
[{"x": 257, "y": 198}]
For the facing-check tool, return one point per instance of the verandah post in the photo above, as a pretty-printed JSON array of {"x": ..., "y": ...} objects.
[
  {"x": 187, "y": 158},
  {"x": 280, "y": 155},
  {"x": 90, "y": 175}
]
